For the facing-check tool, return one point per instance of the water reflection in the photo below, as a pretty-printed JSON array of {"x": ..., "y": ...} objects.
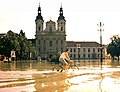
[
  {"x": 51, "y": 82},
  {"x": 24, "y": 65},
  {"x": 39, "y": 77}
]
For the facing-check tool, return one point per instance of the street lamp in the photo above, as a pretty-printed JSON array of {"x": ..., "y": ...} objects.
[{"x": 101, "y": 29}]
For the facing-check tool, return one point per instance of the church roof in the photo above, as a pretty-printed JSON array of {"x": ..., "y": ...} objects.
[{"x": 50, "y": 21}]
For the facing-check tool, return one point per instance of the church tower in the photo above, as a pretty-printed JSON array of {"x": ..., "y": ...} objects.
[
  {"x": 51, "y": 40},
  {"x": 39, "y": 28},
  {"x": 39, "y": 21},
  {"x": 61, "y": 22}
]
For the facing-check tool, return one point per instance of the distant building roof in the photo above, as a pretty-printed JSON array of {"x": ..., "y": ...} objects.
[{"x": 82, "y": 44}]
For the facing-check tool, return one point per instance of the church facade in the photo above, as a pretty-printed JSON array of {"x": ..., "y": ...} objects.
[{"x": 50, "y": 39}]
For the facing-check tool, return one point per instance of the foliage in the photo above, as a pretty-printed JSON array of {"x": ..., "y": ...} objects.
[
  {"x": 17, "y": 42},
  {"x": 113, "y": 48}
]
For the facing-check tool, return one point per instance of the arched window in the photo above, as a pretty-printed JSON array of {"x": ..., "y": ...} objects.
[
  {"x": 61, "y": 28},
  {"x": 39, "y": 28},
  {"x": 50, "y": 29}
]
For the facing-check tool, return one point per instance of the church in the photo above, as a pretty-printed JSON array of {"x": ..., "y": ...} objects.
[{"x": 51, "y": 39}]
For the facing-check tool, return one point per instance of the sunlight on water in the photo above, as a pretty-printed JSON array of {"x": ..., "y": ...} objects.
[{"x": 33, "y": 76}]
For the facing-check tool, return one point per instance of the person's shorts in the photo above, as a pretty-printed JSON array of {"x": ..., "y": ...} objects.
[{"x": 63, "y": 61}]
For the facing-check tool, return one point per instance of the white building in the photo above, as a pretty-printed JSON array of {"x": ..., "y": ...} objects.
[{"x": 85, "y": 50}]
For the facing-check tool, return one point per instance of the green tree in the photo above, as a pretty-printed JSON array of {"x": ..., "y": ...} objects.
[
  {"x": 25, "y": 46},
  {"x": 17, "y": 42},
  {"x": 113, "y": 48},
  {"x": 9, "y": 43}
]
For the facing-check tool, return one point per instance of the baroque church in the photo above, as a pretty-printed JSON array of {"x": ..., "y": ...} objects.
[{"x": 51, "y": 39}]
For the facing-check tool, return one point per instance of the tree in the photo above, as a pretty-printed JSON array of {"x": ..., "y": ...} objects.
[
  {"x": 25, "y": 46},
  {"x": 8, "y": 43},
  {"x": 17, "y": 42},
  {"x": 113, "y": 48}
]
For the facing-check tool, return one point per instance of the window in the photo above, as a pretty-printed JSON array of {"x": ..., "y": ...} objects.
[
  {"x": 93, "y": 49},
  {"x": 78, "y": 49},
  {"x": 83, "y": 49},
  {"x": 79, "y": 56},
  {"x": 50, "y": 29},
  {"x": 88, "y": 55},
  {"x": 39, "y": 28},
  {"x": 74, "y": 55},
  {"x": 83, "y": 55},
  {"x": 74, "y": 50},
  {"x": 50, "y": 43},
  {"x": 88, "y": 49},
  {"x": 70, "y": 49},
  {"x": 61, "y": 28}
]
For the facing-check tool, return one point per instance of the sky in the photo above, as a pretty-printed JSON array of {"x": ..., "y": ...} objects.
[{"x": 82, "y": 17}]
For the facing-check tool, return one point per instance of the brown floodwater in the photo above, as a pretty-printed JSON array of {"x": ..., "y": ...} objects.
[{"x": 33, "y": 76}]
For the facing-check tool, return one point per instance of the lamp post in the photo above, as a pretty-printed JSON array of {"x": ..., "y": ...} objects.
[{"x": 100, "y": 30}]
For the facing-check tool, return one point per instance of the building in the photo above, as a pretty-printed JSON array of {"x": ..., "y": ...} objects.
[
  {"x": 52, "y": 39},
  {"x": 84, "y": 50}
]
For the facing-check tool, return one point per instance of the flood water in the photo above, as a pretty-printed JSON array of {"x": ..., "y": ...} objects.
[{"x": 33, "y": 76}]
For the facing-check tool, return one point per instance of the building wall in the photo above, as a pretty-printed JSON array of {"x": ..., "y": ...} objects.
[{"x": 85, "y": 52}]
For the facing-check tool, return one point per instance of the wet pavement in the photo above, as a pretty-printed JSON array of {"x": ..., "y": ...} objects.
[{"x": 33, "y": 76}]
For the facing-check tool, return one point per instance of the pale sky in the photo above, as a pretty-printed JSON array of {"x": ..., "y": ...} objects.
[{"x": 82, "y": 17}]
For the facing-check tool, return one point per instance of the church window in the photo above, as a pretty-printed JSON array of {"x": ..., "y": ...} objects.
[
  {"x": 61, "y": 28},
  {"x": 50, "y": 43},
  {"x": 50, "y": 29},
  {"x": 39, "y": 28}
]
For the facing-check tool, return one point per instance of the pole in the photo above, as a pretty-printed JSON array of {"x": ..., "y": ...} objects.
[{"x": 101, "y": 49}]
